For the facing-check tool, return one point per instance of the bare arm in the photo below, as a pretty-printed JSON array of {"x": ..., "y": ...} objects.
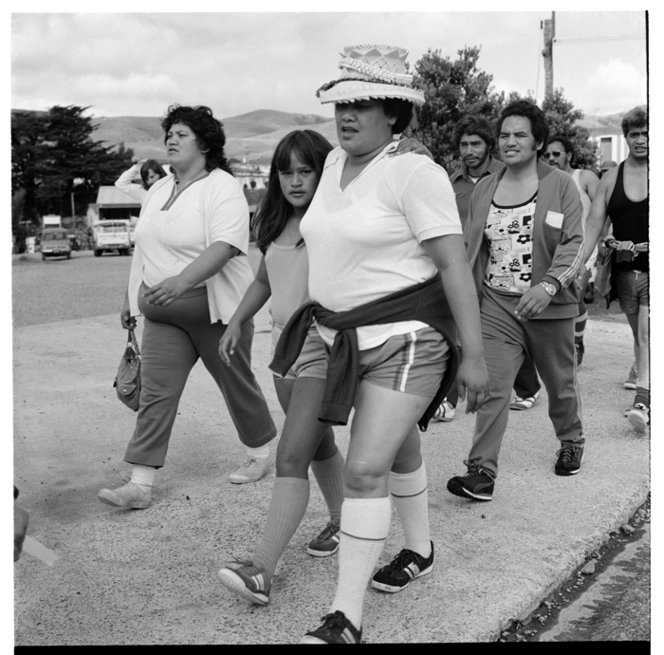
[
  {"x": 597, "y": 215},
  {"x": 449, "y": 255},
  {"x": 254, "y": 298},
  {"x": 590, "y": 183}
]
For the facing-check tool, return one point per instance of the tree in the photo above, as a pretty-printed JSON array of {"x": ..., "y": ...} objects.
[
  {"x": 453, "y": 89},
  {"x": 56, "y": 163},
  {"x": 562, "y": 119}
]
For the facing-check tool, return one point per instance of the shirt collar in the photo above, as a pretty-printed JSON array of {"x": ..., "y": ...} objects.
[{"x": 462, "y": 171}]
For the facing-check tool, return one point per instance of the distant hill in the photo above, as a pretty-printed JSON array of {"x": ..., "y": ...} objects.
[
  {"x": 251, "y": 136},
  {"x": 255, "y": 135}
]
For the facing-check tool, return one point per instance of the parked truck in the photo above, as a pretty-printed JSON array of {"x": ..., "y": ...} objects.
[{"x": 111, "y": 236}]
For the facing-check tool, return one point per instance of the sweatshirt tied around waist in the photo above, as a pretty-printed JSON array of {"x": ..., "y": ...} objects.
[{"x": 425, "y": 302}]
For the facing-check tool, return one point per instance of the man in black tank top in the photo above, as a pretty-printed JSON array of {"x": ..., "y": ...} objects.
[{"x": 623, "y": 197}]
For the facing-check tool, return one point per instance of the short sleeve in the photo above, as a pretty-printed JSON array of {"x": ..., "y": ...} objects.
[
  {"x": 227, "y": 212},
  {"x": 428, "y": 201}
]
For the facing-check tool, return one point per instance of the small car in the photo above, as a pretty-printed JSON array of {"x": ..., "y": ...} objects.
[{"x": 55, "y": 243}]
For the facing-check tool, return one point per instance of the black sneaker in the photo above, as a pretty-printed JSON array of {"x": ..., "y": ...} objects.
[
  {"x": 476, "y": 483},
  {"x": 326, "y": 543},
  {"x": 336, "y": 629},
  {"x": 569, "y": 461},
  {"x": 406, "y": 566}
]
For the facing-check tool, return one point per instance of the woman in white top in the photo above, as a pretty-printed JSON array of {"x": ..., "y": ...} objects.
[
  {"x": 187, "y": 278},
  {"x": 376, "y": 226}
]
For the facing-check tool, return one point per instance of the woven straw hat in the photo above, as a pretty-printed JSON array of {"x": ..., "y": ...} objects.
[{"x": 371, "y": 71}]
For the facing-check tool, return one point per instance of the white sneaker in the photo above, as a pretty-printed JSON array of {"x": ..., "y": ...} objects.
[
  {"x": 130, "y": 495},
  {"x": 253, "y": 469},
  {"x": 630, "y": 382},
  {"x": 445, "y": 412},
  {"x": 639, "y": 417},
  {"x": 520, "y": 404}
]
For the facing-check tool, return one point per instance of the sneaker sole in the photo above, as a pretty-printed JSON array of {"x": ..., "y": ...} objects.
[
  {"x": 321, "y": 553},
  {"x": 520, "y": 408},
  {"x": 560, "y": 472},
  {"x": 233, "y": 582},
  {"x": 114, "y": 503},
  {"x": 569, "y": 472},
  {"x": 309, "y": 639},
  {"x": 381, "y": 586},
  {"x": 629, "y": 385},
  {"x": 638, "y": 422},
  {"x": 459, "y": 490},
  {"x": 247, "y": 481}
]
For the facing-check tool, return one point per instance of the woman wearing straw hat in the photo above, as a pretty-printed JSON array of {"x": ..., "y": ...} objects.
[{"x": 381, "y": 232}]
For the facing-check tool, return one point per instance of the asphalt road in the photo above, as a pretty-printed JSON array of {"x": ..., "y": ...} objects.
[
  {"x": 87, "y": 286},
  {"x": 63, "y": 289}
]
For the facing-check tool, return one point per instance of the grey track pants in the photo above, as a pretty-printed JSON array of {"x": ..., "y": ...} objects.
[
  {"x": 507, "y": 341},
  {"x": 174, "y": 337}
]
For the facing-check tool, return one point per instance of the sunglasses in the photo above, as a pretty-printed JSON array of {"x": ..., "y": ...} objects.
[{"x": 555, "y": 153}]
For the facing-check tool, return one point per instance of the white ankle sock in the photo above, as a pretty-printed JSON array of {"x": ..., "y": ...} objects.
[
  {"x": 143, "y": 475},
  {"x": 411, "y": 500},
  {"x": 259, "y": 453},
  {"x": 365, "y": 524}
]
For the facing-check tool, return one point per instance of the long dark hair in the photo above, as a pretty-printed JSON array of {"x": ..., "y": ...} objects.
[
  {"x": 208, "y": 130},
  {"x": 274, "y": 211},
  {"x": 151, "y": 165}
]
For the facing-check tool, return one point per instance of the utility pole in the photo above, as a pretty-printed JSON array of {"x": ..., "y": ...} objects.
[{"x": 549, "y": 28}]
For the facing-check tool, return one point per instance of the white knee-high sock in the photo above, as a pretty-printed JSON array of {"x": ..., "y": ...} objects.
[
  {"x": 365, "y": 524},
  {"x": 411, "y": 500}
]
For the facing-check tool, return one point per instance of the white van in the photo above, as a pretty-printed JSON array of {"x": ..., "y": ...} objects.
[{"x": 111, "y": 236}]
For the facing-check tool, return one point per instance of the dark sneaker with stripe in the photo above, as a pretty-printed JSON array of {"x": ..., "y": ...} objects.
[
  {"x": 406, "y": 566},
  {"x": 476, "y": 483},
  {"x": 336, "y": 629},
  {"x": 246, "y": 580},
  {"x": 326, "y": 543},
  {"x": 569, "y": 461}
]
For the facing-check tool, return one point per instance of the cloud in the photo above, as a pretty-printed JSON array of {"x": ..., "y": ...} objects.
[
  {"x": 139, "y": 63},
  {"x": 617, "y": 85}
]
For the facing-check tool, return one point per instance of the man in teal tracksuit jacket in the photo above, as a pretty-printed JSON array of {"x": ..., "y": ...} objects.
[{"x": 524, "y": 239}]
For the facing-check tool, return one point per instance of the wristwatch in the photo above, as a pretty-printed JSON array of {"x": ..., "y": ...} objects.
[{"x": 549, "y": 288}]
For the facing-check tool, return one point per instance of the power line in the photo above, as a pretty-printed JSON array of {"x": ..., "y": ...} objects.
[{"x": 639, "y": 37}]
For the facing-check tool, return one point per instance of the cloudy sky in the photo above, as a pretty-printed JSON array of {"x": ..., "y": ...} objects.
[{"x": 136, "y": 64}]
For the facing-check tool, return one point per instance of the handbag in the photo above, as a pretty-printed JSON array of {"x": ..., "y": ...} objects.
[{"x": 128, "y": 380}]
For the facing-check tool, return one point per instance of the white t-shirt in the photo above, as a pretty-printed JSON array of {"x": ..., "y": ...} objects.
[
  {"x": 211, "y": 209},
  {"x": 364, "y": 242}
]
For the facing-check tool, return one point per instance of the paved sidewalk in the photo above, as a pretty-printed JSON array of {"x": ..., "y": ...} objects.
[{"x": 150, "y": 576}]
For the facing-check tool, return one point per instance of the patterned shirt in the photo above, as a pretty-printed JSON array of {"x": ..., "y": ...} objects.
[{"x": 509, "y": 231}]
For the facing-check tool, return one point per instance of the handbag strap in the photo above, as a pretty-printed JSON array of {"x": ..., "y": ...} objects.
[{"x": 131, "y": 338}]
